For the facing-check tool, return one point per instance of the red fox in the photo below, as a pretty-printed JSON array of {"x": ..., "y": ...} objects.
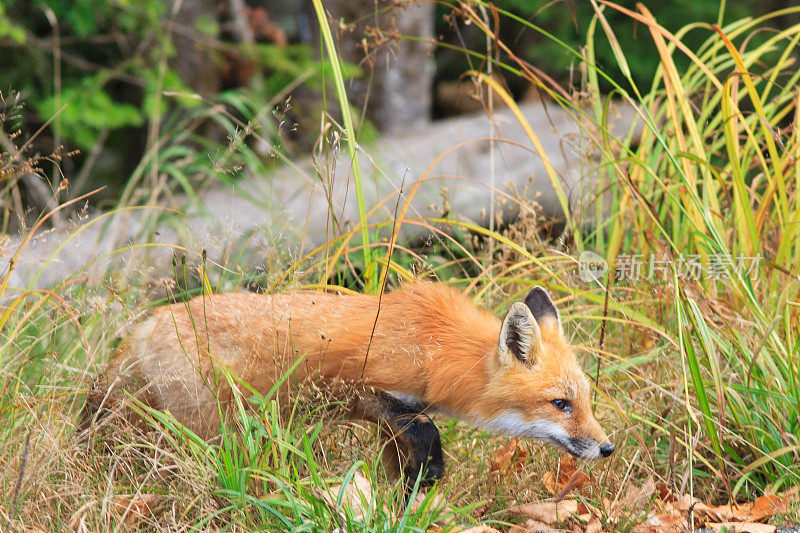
[{"x": 427, "y": 347}]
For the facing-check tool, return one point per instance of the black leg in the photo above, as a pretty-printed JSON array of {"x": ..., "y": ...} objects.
[{"x": 413, "y": 441}]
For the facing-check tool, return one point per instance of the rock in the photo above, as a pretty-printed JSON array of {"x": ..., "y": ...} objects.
[{"x": 448, "y": 162}]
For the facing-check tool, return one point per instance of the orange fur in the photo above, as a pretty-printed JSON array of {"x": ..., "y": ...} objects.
[{"x": 430, "y": 342}]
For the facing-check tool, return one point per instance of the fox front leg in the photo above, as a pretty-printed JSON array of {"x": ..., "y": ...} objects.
[{"x": 412, "y": 442}]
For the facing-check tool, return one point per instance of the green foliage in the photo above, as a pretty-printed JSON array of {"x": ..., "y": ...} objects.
[
  {"x": 633, "y": 37},
  {"x": 93, "y": 42},
  {"x": 86, "y": 109},
  {"x": 9, "y": 29},
  {"x": 566, "y": 23},
  {"x": 84, "y": 18},
  {"x": 160, "y": 90},
  {"x": 100, "y": 70}
]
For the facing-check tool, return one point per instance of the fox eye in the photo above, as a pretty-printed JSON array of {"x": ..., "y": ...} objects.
[{"x": 562, "y": 405}]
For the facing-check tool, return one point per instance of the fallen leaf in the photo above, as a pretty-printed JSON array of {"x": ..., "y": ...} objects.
[
  {"x": 594, "y": 525},
  {"x": 507, "y": 459},
  {"x": 634, "y": 497},
  {"x": 550, "y": 483},
  {"x": 665, "y": 493},
  {"x": 480, "y": 511},
  {"x": 758, "y": 511},
  {"x": 686, "y": 501},
  {"x": 744, "y": 518},
  {"x": 638, "y": 496},
  {"x": 569, "y": 478},
  {"x": 437, "y": 502},
  {"x": 481, "y": 528},
  {"x": 586, "y": 512},
  {"x": 576, "y": 482},
  {"x": 134, "y": 508},
  {"x": 532, "y": 526},
  {"x": 662, "y": 523},
  {"x": 548, "y": 512},
  {"x": 420, "y": 498},
  {"x": 357, "y": 495},
  {"x": 743, "y": 527}
]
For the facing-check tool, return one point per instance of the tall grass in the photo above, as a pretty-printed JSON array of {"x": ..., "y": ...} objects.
[
  {"x": 710, "y": 176},
  {"x": 710, "y": 181},
  {"x": 714, "y": 175},
  {"x": 697, "y": 377},
  {"x": 350, "y": 131}
]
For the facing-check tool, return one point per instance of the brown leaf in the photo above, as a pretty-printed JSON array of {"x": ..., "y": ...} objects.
[
  {"x": 507, "y": 459},
  {"x": 548, "y": 512},
  {"x": 736, "y": 517},
  {"x": 549, "y": 482},
  {"x": 586, "y": 512},
  {"x": 758, "y": 511},
  {"x": 357, "y": 495},
  {"x": 134, "y": 508},
  {"x": 793, "y": 495},
  {"x": 576, "y": 482},
  {"x": 594, "y": 525},
  {"x": 566, "y": 466},
  {"x": 635, "y": 497},
  {"x": 569, "y": 478},
  {"x": 532, "y": 526},
  {"x": 420, "y": 497},
  {"x": 438, "y": 501},
  {"x": 503, "y": 457},
  {"x": 686, "y": 501},
  {"x": 482, "y": 510},
  {"x": 665, "y": 493},
  {"x": 639, "y": 496},
  {"x": 259, "y": 21},
  {"x": 481, "y": 528},
  {"x": 743, "y": 527},
  {"x": 662, "y": 523}
]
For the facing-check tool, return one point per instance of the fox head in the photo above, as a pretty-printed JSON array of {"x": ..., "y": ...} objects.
[{"x": 537, "y": 390}]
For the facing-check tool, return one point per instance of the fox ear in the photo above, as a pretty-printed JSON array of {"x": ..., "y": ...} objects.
[
  {"x": 519, "y": 337},
  {"x": 543, "y": 309}
]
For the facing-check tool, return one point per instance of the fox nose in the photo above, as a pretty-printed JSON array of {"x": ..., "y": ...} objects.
[{"x": 606, "y": 449}]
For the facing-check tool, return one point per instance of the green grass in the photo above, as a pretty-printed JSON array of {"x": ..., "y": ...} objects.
[{"x": 697, "y": 380}]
